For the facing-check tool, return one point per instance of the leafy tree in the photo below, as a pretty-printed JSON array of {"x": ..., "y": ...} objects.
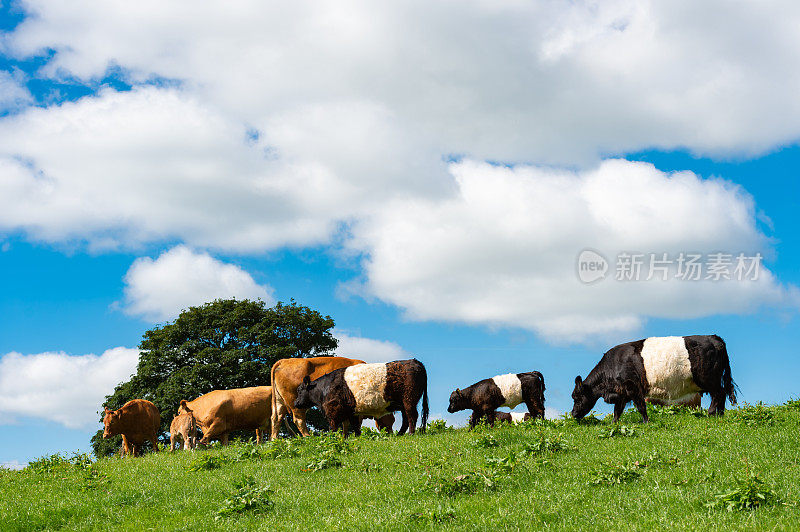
[{"x": 220, "y": 345}]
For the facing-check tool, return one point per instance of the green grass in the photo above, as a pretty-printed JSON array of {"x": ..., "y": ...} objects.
[{"x": 680, "y": 472}]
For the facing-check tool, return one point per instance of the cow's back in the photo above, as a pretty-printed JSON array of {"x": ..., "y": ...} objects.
[{"x": 239, "y": 408}]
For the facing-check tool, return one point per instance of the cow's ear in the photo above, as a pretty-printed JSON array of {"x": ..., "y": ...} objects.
[
  {"x": 306, "y": 380},
  {"x": 578, "y": 381}
]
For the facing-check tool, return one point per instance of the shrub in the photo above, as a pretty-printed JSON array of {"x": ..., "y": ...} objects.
[
  {"x": 323, "y": 461},
  {"x": 502, "y": 465},
  {"x": 487, "y": 440},
  {"x": 757, "y": 414},
  {"x": 55, "y": 462},
  {"x": 206, "y": 462},
  {"x": 618, "y": 430},
  {"x": 249, "y": 497},
  {"x": 467, "y": 484},
  {"x": 438, "y": 426},
  {"x": 745, "y": 495},
  {"x": 616, "y": 474},
  {"x": 543, "y": 444}
]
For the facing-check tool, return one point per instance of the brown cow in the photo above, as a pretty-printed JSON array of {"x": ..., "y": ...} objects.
[
  {"x": 183, "y": 430},
  {"x": 287, "y": 374},
  {"x": 137, "y": 420},
  {"x": 221, "y": 411}
]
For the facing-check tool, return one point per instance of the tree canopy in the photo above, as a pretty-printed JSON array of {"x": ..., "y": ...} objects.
[{"x": 224, "y": 344}]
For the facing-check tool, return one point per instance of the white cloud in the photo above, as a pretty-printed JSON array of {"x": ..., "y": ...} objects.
[
  {"x": 501, "y": 251},
  {"x": 287, "y": 122},
  {"x": 62, "y": 388},
  {"x": 538, "y": 81},
  {"x": 368, "y": 349},
  {"x": 159, "y": 289},
  {"x": 12, "y": 93}
]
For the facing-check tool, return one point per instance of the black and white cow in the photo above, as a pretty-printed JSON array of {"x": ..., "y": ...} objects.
[
  {"x": 368, "y": 390},
  {"x": 486, "y": 396},
  {"x": 667, "y": 370}
]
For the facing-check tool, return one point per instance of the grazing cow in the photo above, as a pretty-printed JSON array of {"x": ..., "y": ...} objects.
[
  {"x": 137, "y": 420},
  {"x": 485, "y": 396},
  {"x": 183, "y": 431},
  {"x": 673, "y": 369},
  {"x": 286, "y": 376},
  {"x": 368, "y": 390},
  {"x": 221, "y": 411}
]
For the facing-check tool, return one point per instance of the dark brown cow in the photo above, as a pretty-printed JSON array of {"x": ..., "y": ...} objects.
[
  {"x": 368, "y": 390},
  {"x": 137, "y": 421},
  {"x": 183, "y": 431},
  {"x": 286, "y": 376},
  {"x": 221, "y": 411}
]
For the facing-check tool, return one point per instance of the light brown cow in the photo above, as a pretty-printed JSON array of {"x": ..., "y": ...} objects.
[
  {"x": 286, "y": 376},
  {"x": 183, "y": 431},
  {"x": 222, "y": 411},
  {"x": 137, "y": 420}
]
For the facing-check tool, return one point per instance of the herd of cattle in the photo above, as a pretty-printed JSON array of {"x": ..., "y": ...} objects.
[{"x": 662, "y": 370}]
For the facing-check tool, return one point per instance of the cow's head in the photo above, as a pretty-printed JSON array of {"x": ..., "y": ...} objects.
[
  {"x": 307, "y": 394},
  {"x": 110, "y": 422},
  {"x": 584, "y": 398},
  {"x": 458, "y": 401}
]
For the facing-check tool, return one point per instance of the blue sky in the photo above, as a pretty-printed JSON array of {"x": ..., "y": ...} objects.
[{"x": 429, "y": 190}]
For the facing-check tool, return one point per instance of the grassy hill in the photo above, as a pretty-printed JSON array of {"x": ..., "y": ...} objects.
[{"x": 682, "y": 471}]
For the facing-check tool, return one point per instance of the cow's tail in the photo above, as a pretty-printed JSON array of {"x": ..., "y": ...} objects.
[
  {"x": 540, "y": 378},
  {"x": 728, "y": 383},
  {"x": 425, "y": 409},
  {"x": 275, "y": 398}
]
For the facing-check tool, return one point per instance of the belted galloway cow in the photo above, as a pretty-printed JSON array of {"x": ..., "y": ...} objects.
[
  {"x": 368, "y": 390},
  {"x": 486, "y": 396},
  {"x": 137, "y": 421},
  {"x": 667, "y": 370},
  {"x": 288, "y": 373}
]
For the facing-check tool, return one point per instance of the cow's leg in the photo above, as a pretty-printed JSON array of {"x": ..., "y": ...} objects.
[
  {"x": 172, "y": 443},
  {"x": 154, "y": 439},
  {"x": 355, "y": 422},
  {"x": 385, "y": 423},
  {"x": 277, "y": 416},
  {"x": 619, "y": 408},
  {"x": 404, "y": 423},
  {"x": 717, "y": 406},
  {"x": 412, "y": 419},
  {"x": 535, "y": 409},
  {"x": 474, "y": 419},
  {"x": 300, "y": 420},
  {"x": 223, "y": 439},
  {"x": 641, "y": 406}
]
